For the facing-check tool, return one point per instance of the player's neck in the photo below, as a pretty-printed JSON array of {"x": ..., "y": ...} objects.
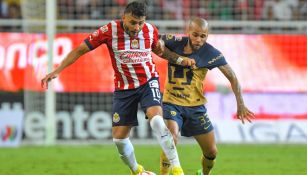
[{"x": 187, "y": 48}]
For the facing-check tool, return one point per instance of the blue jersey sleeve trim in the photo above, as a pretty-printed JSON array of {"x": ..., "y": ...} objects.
[{"x": 217, "y": 65}]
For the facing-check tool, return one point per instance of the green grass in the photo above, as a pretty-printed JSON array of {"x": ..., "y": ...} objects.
[{"x": 104, "y": 160}]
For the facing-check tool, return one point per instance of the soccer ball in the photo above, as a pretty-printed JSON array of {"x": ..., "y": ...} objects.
[{"x": 147, "y": 173}]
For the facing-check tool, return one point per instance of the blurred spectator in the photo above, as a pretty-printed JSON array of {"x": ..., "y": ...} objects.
[
  {"x": 198, "y": 8},
  {"x": 3, "y": 9},
  {"x": 241, "y": 10},
  {"x": 227, "y": 10},
  {"x": 172, "y": 9},
  {"x": 155, "y": 10},
  {"x": 214, "y": 9},
  {"x": 83, "y": 9},
  {"x": 282, "y": 10},
  {"x": 255, "y": 9},
  {"x": 113, "y": 10},
  {"x": 302, "y": 10},
  {"x": 293, "y": 4},
  {"x": 14, "y": 10},
  {"x": 66, "y": 9},
  {"x": 270, "y": 14},
  {"x": 96, "y": 10},
  {"x": 267, "y": 12}
]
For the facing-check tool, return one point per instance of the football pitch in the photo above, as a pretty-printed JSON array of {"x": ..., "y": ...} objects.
[{"x": 232, "y": 159}]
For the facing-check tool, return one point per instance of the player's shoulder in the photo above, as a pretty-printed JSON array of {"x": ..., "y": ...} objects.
[
  {"x": 210, "y": 57},
  {"x": 173, "y": 37},
  {"x": 173, "y": 41},
  {"x": 150, "y": 24},
  {"x": 107, "y": 28},
  {"x": 210, "y": 50},
  {"x": 150, "y": 27}
]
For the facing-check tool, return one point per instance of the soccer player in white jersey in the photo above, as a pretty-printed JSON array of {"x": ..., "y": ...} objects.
[{"x": 130, "y": 42}]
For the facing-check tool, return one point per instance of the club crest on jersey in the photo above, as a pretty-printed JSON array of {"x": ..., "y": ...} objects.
[
  {"x": 116, "y": 117},
  {"x": 104, "y": 28},
  {"x": 173, "y": 113},
  {"x": 169, "y": 36},
  {"x": 135, "y": 44}
]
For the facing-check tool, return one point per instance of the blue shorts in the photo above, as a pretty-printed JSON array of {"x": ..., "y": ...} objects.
[
  {"x": 125, "y": 102},
  {"x": 192, "y": 121}
]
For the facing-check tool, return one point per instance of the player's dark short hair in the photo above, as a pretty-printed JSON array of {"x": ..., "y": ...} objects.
[{"x": 136, "y": 8}]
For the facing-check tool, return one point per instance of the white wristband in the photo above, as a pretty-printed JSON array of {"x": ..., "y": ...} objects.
[{"x": 179, "y": 60}]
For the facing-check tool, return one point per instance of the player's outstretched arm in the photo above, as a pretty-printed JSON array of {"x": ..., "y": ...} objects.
[
  {"x": 70, "y": 58},
  {"x": 171, "y": 56},
  {"x": 243, "y": 113},
  {"x": 178, "y": 59}
]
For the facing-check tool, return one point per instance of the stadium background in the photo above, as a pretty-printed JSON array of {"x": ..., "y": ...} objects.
[{"x": 263, "y": 40}]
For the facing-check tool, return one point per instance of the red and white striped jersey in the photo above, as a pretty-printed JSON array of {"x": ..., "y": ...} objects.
[{"x": 131, "y": 56}]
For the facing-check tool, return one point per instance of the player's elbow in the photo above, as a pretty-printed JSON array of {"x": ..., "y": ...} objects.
[{"x": 81, "y": 49}]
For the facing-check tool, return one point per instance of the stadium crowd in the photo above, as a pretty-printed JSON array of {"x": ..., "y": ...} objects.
[
  {"x": 183, "y": 9},
  {"x": 173, "y": 9},
  {"x": 10, "y": 9}
]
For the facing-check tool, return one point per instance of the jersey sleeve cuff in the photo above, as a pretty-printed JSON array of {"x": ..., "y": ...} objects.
[{"x": 87, "y": 42}]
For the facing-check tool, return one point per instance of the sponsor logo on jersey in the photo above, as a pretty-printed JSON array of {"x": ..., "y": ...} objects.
[
  {"x": 116, "y": 117},
  {"x": 134, "y": 57},
  {"x": 184, "y": 96},
  {"x": 154, "y": 84},
  {"x": 178, "y": 38},
  {"x": 215, "y": 59}
]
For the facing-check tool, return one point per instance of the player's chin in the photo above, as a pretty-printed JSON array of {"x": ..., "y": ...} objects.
[
  {"x": 134, "y": 32},
  {"x": 196, "y": 47}
]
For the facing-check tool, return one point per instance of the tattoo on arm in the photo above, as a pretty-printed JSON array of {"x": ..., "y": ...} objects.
[
  {"x": 235, "y": 85},
  {"x": 170, "y": 56}
]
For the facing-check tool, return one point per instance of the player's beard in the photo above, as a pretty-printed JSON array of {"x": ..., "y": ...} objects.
[
  {"x": 194, "y": 48},
  {"x": 130, "y": 33}
]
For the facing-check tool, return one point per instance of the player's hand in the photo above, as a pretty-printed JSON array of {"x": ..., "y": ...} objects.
[
  {"x": 47, "y": 78},
  {"x": 159, "y": 49},
  {"x": 189, "y": 62},
  {"x": 245, "y": 114}
]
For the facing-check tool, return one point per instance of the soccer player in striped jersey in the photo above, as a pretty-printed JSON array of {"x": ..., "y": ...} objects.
[
  {"x": 130, "y": 42},
  {"x": 183, "y": 99}
]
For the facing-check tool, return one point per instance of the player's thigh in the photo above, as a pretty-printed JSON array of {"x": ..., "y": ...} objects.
[
  {"x": 125, "y": 106},
  {"x": 207, "y": 143},
  {"x": 121, "y": 132},
  {"x": 196, "y": 121}
]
